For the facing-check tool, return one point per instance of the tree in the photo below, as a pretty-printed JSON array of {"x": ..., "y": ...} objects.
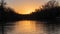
[{"x": 51, "y": 3}]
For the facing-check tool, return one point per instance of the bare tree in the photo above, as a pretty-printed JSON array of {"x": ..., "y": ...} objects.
[{"x": 51, "y": 3}]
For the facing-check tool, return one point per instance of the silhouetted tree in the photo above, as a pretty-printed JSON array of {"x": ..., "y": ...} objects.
[
  {"x": 7, "y": 14},
  {"x": 51, "y": 3},
  {"x": 50, "y": 11}
]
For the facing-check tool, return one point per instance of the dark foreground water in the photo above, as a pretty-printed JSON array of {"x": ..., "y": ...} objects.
[{"x": 30, "y": 27}]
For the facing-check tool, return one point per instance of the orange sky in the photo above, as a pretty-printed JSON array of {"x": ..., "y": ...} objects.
[
  {"x": 25, "y": 6},
  {"x": 25, "y": 9}
]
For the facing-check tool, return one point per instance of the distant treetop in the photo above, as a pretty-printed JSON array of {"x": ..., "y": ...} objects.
[{"x": 51, "y": 3}]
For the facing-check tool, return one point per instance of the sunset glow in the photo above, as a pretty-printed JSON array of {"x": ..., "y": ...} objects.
[
  {"x": 24, "y": 6},
  {"x": 25, "y": 9}
]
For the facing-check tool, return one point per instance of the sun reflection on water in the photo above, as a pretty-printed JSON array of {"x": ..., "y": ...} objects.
[
  {"x": 25, "y": 26},
  {"x": 28, "y": 27}
]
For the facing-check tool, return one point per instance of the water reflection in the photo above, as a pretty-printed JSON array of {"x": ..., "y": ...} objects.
[{"x": 28, "y": 27}]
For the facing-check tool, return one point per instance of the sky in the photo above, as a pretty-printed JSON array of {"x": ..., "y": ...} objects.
[{"x": 25, "y": 6}]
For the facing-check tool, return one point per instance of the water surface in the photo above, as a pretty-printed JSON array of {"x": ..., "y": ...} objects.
[{"x": 26, "y": 27}]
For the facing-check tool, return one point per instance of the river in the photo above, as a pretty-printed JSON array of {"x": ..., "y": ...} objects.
[{"x": 28, "y": 27}]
